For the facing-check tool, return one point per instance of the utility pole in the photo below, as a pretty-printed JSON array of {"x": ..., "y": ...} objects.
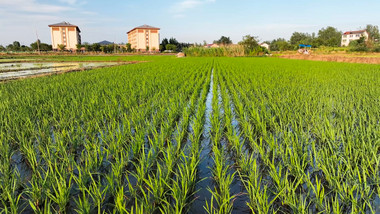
[{"x": 38, "y": 43}]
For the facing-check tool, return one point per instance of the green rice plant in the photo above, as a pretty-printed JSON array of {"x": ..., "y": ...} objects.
[
  {"x": 137, "y": 209},
  {"x": 182, "y": 188},
  {"x": 115, "y": 177},
  {"x": 258, "y": 194},
  {"x": 97, "y": 192},
  {"x": 156, "y": 185},
  {"x": 37, "y": 190},
  {"x": 83, "y": 204},
  {"x": 61, "y": 189},
  {"x": 319, "y": 193},
  {"x": 9, "y": 190},
  {"x": 120, "y": 202}
]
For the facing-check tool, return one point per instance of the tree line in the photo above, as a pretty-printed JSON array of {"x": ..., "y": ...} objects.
[
  {"x": 328, "y": 37},
  {"x": 17, "y": 47},
  {"x": 172, "y": 45}
]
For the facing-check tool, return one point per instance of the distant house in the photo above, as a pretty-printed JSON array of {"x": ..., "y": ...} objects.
[
  {"x": 144, "y": 37},
  {"x": 265, "y": 45},
  {"x": 66, "y": 34},
  {"x": 349, "y": 36},
  {"x": 211, "y": 46}
]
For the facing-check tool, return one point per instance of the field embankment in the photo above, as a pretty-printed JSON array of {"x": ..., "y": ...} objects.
[{"x": 349, "y": 58}]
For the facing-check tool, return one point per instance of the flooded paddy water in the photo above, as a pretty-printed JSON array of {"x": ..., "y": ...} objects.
[{"x": 16, "y": 70}]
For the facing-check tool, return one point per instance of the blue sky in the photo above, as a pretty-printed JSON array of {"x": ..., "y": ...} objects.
[{"x": 186, "y": 20}]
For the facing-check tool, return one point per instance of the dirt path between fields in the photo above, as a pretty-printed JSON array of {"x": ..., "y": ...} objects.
[{"x": 335, "y": 58}]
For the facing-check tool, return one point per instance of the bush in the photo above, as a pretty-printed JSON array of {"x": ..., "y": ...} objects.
[
  {"x": 231, "y": 51},
  {"x": 376, "y": 49}
]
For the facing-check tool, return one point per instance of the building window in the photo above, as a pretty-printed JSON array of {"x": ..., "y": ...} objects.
[
  {"x": 351, "y": 35},
  {"x": 344, "y": 40}
]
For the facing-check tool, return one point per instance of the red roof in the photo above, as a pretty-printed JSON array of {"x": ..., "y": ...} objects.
[
  {"x": 64, "y": 24},
  {"x": 144, "y": 27},
  {"x": 354, "y": 32}
]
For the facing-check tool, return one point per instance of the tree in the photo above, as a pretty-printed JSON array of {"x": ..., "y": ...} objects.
[
  {"x": 24, "y": 48},
  {"x": 300, "y": 38},
  {"x": 329, "y": 37},
  {"x": 171, "y": 47},
  {"x": 9, "y": 47},
  {"x": 2, "y": 48},
  {"x": 280, "y": 44},
  {"x": 16, "y": 46},
  {"x": 79, "y": 46},
  {"x": 223, "y": 41},
  {"x": 87, "y": 46},
  {"x": 359, "y": 45},
  {"x": 373, "y": 31},
  {"x": 35, "y": 46},
  {"x": 129, "y": 47},
  {"x": 95, "y": 47},
  {"x": 61, "y": 47},
  {"x": 173, "y": 41},
  {"x": 250, "y": 44},
  {"x": 45, "y": 47},
  {"x": 163, "y": 44}
]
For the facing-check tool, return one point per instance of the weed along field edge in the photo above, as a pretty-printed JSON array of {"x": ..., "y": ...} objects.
[{"x": 192, "y": 135}]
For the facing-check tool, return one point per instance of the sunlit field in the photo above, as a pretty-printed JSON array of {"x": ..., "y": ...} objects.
[{"x": 192, "y": 135}]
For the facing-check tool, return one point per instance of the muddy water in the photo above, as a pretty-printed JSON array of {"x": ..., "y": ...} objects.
[{"x": 22, "y": 70}]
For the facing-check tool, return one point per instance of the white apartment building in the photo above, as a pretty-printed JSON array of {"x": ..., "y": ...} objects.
[
  {"x": 66, "y": 34},
  {"x": 144, "y": 38}
]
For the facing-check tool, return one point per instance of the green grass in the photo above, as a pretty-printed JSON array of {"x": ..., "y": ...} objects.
[{"x": 299, "y": 136}]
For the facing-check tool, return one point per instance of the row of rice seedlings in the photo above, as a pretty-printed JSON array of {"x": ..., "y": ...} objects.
[
  {"x": 182, "y": 188},
  {"x": 245, "y": 164},
  {"x": 222, "y": 176},
  {"x": 169, "y": 159},
  {"x": 9, "y": 179},
  {"x": 259, "y": 200}
]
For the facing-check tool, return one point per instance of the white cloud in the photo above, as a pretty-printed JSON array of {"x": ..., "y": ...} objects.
[
  {"x": 20, "y": 19},
  {"x": 181, "y": 7},
  {"x": 31, "y": 6},
  {"x": 71, "y": 2}
]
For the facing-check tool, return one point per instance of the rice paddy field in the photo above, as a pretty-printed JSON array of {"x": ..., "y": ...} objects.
[{"x": 193, "y": 135}]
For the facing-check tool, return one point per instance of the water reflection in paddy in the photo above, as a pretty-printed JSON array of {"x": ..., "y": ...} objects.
[{"x": 20, "y": 70}]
